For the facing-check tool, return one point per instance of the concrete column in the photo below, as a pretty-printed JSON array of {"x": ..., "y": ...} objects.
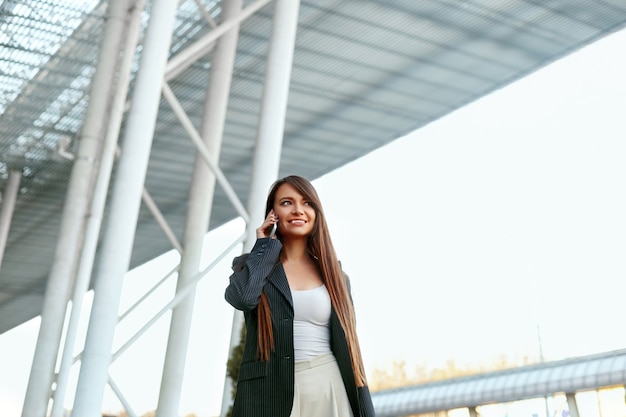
[
  {"x": 124, "y": 207},
  {"x": 94, "y": 220},
  {"x": 77, "y": 201},
  {"x": 199, "y": 211},
  {"x": 9, "y": 197},
  {"x": 472, "y": 411},
  {"x": 271, "y": 128}
]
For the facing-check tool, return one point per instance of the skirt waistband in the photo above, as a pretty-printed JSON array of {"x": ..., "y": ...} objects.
[{"x": 317, "y": 361}]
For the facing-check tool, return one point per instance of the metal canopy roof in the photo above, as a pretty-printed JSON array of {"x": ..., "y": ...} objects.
[
  {"x": 533, "y": 381},
  {"x": 364, "y": 74}
]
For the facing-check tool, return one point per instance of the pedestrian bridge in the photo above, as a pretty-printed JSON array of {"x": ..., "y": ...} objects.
[{"x": 567, "y": 376}]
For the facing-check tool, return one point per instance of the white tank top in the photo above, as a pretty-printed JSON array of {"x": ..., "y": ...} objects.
[{"x": 311, "y": 330}]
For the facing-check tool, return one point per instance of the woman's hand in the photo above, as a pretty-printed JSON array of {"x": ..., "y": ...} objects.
[{"x": 266, "y": 227}]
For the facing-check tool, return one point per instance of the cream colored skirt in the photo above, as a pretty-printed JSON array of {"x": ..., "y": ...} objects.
[{"x": 319, "y": 389}]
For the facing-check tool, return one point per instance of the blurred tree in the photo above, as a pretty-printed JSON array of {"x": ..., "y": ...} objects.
[
  {"x": 397, "y": 376},
  {"x": 232, "y": 366}
]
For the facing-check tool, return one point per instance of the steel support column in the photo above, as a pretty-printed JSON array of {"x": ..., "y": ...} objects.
[
  {"x": 9, "y": 196},
  {"x": 94, "y": 220},
  {"x": 124, "y": 210},
  {"x": 271, "y": 128},
  {"x": 75, "y": 208},
  {"x": 199, "y": 211}
]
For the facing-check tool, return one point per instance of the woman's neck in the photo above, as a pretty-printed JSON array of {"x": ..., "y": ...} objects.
[{"x": 295, "y": 251}]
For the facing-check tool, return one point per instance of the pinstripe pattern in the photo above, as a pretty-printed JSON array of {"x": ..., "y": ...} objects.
[{"x": 266, "y": 389}]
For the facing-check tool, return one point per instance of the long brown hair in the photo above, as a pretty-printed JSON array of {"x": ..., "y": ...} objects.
[{"x": 321, "y": 250}]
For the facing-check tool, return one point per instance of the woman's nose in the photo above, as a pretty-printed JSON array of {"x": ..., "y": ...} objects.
[{"x": 297, "y": 208}]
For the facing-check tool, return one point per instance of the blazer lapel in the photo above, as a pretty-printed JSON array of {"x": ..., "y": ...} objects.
[{"x": 278, "y": 278}]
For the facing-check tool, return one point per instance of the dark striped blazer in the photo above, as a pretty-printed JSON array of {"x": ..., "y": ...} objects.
[{"x": 266, "y": 389}]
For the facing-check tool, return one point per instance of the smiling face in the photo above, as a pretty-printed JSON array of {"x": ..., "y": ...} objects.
[{"x": 296, "y": 215}]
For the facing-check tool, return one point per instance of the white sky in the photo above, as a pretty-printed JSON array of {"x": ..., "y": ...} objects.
[{"x": 461, "y": 240}]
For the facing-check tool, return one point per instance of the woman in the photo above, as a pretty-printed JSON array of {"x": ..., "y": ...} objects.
[{"x": 301, "y": 357}]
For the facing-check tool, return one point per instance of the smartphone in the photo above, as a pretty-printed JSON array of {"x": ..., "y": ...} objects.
[{"x": 273, "y": 232}]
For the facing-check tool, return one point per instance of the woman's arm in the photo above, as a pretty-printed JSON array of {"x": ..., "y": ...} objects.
[{"x": 250, "y": 274}]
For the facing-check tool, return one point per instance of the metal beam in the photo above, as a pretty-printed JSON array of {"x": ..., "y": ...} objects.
[
  {"x": 160, "y": 219},
  {"x": 202, "y": 46},
  {"x": 148, "y": 293},
  {"x": 205, "y": 14},
  {"x": 118, "y": 393},
  {"x": 572, "y": 405},
  {"x": 178, "y": 110},
  {"x": 180, "y": 295}
]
